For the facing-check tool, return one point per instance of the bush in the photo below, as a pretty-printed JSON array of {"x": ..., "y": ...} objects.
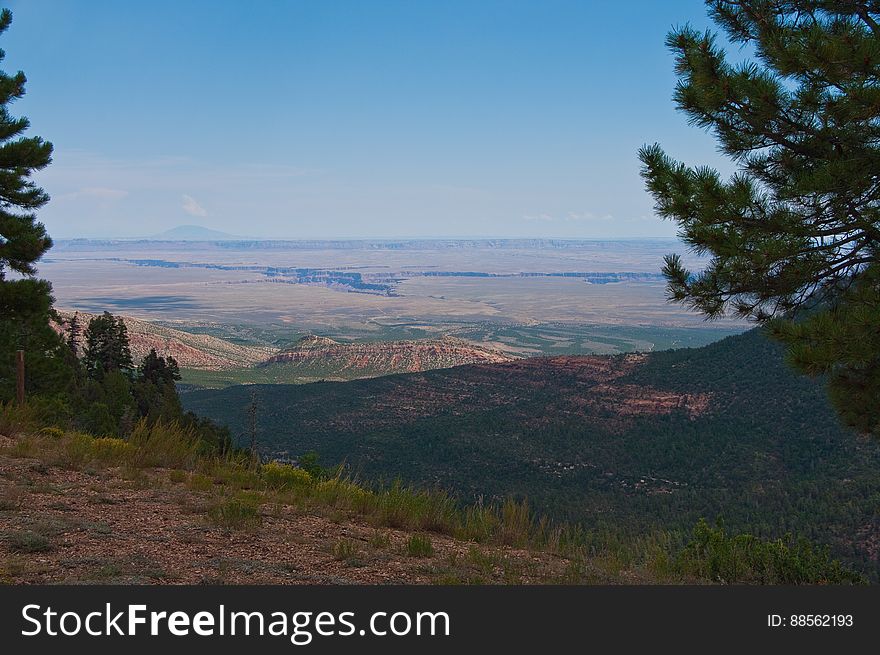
[
  {"x": 110, "y": 450},
  {"x": 744, "y": 558},
  {"x": 283, "y": 477},
  {"x": 380, "y": 539},
  {"x": 235, "y": 475},
  {"x": 55, "y": 433},
  {"x": 344, "y": 494},
  {"x": 309, "y": 464},
  {"x": 77, "y": 451},
  {"x": 53, "y": 410},
  {"x": 15, "y": 419},
  {"x": 479, "y": 523}
]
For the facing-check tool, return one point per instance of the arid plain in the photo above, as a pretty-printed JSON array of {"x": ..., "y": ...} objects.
[{"x": 527, "y": 297}]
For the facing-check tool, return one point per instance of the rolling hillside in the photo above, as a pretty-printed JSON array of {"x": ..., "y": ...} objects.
[
  {"x": 627, "y": 443},
  {"x": 314, "y": 358},
  {"x": 212, "y": 362}
]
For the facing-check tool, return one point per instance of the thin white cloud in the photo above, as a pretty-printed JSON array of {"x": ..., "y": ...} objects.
[
  {"x": 98, "y": 193},
  {"x": 192, "y": 207}
]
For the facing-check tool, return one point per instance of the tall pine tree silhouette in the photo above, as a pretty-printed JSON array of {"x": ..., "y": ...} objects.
[
  {"x": 794, "y": 236},
  {"x": 23, "y": 240}
]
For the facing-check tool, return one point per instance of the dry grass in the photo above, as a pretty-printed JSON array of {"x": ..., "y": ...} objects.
[{"x": 155, "y": 496}]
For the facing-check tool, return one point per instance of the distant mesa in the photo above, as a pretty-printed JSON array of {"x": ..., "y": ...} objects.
[{"x": 194, "y": 233}]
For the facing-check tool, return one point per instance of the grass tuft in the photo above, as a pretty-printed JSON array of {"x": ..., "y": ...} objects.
[
  {"x": 29, "y": 542},
  {"x": 419, "y": 545},
  {"x": 237, "y": 513},
  {"x": 346, "y": 550}
]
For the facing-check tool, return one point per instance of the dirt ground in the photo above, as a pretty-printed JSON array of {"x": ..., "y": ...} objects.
[{"x": 89, "y": 526}]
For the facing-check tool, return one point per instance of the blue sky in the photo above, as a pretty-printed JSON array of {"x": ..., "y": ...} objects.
[{"x": 352, "y": 119}]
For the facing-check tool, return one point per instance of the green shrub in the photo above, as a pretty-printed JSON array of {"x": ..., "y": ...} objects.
[
  {"x": 76, "y": 451},
  {"x": 52, "y": 410},
  {"x": 478, "y": 523},
  {"x": 283, "y": 477},
  {"x": 55, "y": 433},
  {"x": 712, "y": 554},
  {"x": 236, "y": 475},
  {"x": 15, "y": 419},
  {"x": 344, "y": 494},
  {"x": 309, "y": 464},
  {"x": 412, "y": 509},
  {"x": 111, "y": 450},
  {"x": 199, "y": 482},
  {"x": 176, "y": 476}
]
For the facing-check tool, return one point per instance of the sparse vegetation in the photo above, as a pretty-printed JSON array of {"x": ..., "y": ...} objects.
[
  {"x": 346, "y": 550},
  {"x": 419, "y": 545},
  {"x": 29, "y": 542},
  {"x": 714, "y": 555},
  {"x": 380, "y": 540},
  {"x": 237, "y": 513}
]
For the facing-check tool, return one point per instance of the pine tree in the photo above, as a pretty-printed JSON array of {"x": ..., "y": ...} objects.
[
  {"x": 121, "y": 345},
  {"x": 107, "y": 348},
  {"x": 155, "y": 390},
  {"x": 23, "y": 240},
  {"x": 794, "y": 236},
  {"x": 158, "y": 370},
  {"x": 74, "y": 333},
  {"x": 49, "y": 372}
]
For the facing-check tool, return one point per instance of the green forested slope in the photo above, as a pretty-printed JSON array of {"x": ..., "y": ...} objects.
[{"x": 763, "y": 451}]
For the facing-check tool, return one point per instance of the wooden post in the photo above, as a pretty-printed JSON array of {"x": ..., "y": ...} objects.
[{"x": 19, "y": 387}]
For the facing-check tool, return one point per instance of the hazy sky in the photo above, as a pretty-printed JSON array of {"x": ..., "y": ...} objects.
[{"x": 352, "y": 119}]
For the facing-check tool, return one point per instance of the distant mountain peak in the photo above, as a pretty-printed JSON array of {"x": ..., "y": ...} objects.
[{"x": 193, "y": 233}]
